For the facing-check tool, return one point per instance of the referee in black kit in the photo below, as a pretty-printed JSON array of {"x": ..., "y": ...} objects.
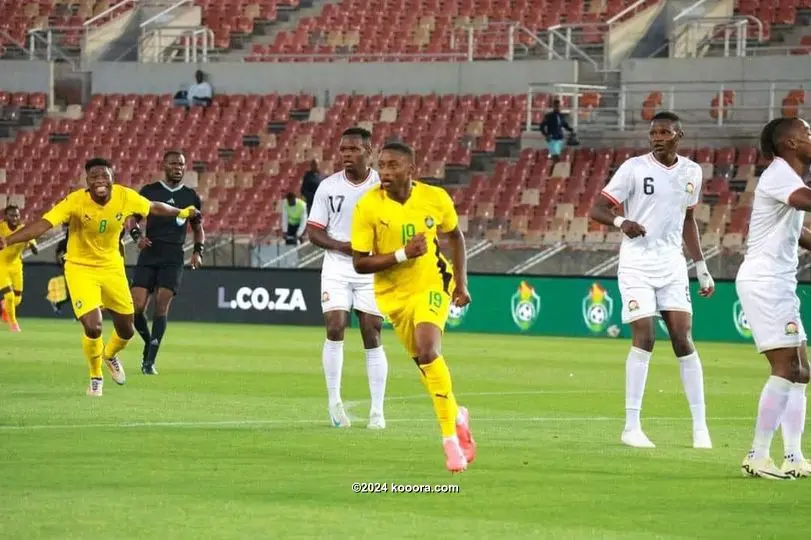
[{"x": 160, "y": 262}]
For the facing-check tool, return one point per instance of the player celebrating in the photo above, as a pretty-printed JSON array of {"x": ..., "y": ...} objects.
[
  {"x": 330, "y": 227},
  {"x": 94, "y": 267},
  {"x": 394, "y": 237},
  {"x": 658, "y": 192},
  {"x": 766, "y": 285},
  {"x": 160, "y": 263},
  {"x": 11, "y": 269}
]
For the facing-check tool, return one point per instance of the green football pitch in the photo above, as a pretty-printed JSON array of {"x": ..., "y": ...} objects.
[{"x": 231, "y": 440}]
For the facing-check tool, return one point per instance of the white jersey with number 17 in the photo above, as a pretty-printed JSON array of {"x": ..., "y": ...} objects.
[
  {"x": 657, "y": 197},
  {"x": 333, "y": 206}
]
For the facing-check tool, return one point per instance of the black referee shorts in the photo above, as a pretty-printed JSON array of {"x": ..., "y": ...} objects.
[{"x": 154, "y": 277}]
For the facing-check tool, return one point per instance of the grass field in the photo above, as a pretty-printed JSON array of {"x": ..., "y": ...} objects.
[{"x": 231, "y": 440}]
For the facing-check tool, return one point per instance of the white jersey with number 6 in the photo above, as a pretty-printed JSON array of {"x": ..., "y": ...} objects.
[
  {"x": 767, "y": 279},
  {"x": 657, "y": 197},
  {"x": 652, "y": 274},
  {"x": 342, "y": 288}
]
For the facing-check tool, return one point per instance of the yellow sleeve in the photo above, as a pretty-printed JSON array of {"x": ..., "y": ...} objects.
[
  {"x": 60, "y": 213},
  {"x": 363, "y": 231},
  {"x": 135, "y": 203},
  {"x": 450, "y": 219}
]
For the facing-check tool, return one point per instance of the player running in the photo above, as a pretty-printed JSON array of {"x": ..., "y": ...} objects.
[
  {"x": 11, "y": 268},
  {"x": 342, "y": 288},
  {"x": 94, "y": 267},
  {"x": 394, "y": 237},
  {"x": 160, "y": 263},
  {"x": 766, "y": 285},
  {"x": 658, "y": 192}
]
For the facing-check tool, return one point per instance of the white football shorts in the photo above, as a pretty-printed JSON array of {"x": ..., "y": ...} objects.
[
  {"x": 772, "y": 310},
  {"x": 345, "y": 295},
  {"x": 646, "y": 296}
]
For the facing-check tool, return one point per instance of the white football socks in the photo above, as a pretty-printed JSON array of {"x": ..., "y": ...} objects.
[
  {"x": 377, "y": 369},
  {"x": 771, "y": 408},
  {"x": 636, "y": 374},
  {"x": 692, "y": 377},
  {"x": 332, "y": 357},
  {"x": 794, "y": 422}
]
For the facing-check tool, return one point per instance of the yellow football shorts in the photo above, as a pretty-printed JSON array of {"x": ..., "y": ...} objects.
[
  {"x": 12, "y": 276},
  {"x": 91, "y": 288},
  {"x": 430, "y": 306}
]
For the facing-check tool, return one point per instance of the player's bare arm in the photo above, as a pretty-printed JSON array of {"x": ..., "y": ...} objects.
[
  {"x": 801, "y": 199},
  {"x": 692, "y": 241},
  {"x": 26, "y": 234},
  {"x": 199, "y": 242},
  {"x": 320, "y": 238},
  {"x": 367, "y": 263},
  {"x": 161, "y": 209},
  {"x": 461, "y": 295},
  {"x": 603, "y": 212},
  {"x": 136, "y": 233},
  {"x": 805, "y": 239}
]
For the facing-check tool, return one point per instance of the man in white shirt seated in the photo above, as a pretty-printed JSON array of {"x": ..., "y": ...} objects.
[{"x": 199, "y": 93}]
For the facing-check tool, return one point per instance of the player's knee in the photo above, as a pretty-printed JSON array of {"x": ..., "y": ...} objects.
[
  {"x": 426, "y": 354},
  {"x": 370, "y": 333},
  {"x": 682, "y": 344},
  {"x": 125, "y": 330},
  {"x": 644, "y": 341},
  {"x": 92, "y": 329},
  {"x": 335, "y": 331}
]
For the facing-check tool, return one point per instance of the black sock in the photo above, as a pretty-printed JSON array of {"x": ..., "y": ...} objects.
[
  {"x": 142, "y": 327},
  {"x": 158, "y": 329}
]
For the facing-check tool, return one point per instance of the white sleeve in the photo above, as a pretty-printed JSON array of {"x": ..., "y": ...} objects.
[
  {"x": 284, "y": 218},
  {"x": 319, "y": 213},
  {"x": 780, "y": 186},
  {"x": 621, "y": 185},
  {"x": 698, "y": 180}
]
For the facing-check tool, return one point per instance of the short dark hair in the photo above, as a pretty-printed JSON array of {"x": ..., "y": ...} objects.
[
  {"x": 666, "y": 115},
  {"x": 10, "y": 207},
  {"x": 170, "y": 153},
  {"x": 97, "y": 162},
  {"x": 289, "y": 194},
  {"x": 364, "y": 134},
  {"x": 401, "y": 148},
  {"x": 773, "y": 134}
]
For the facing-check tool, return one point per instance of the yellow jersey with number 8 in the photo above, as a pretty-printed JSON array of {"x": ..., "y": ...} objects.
[
  {"x": 94, "y": 230},
  {"x": 382, "y": 225}
]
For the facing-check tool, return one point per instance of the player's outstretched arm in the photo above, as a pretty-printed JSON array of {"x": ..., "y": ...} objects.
[
  {"x": 366, "y": 263},
  {"x": 161, "y": 209},
  {"x": 27, "y": 233}
]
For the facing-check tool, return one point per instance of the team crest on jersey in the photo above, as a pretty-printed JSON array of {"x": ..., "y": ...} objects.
[
  {"x": 324, "y": 297},
  {"x": 791, "y": 328},
  {"x": 78, "y": 304},
  {"x": 429, "y": 222},
  {"x": 633, "y": 305},
  {"x": 690, "y": 188},
  {"x": 119, "y": 216}
]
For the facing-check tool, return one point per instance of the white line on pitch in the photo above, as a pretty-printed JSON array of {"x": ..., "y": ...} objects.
[{"x": 277, "y": 422}]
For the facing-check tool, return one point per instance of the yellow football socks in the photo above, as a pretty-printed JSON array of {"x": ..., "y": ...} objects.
[
  {"x": 115, "y": 345},
  {"x": 437, "y": 379},
  {"x": 92, "y": 351},
  {"x": 11, "y": 307}
]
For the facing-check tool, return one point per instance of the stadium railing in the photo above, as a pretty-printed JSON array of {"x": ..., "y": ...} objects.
[{"x": 747, "y": 104}]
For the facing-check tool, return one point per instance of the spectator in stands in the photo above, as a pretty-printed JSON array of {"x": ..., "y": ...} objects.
[
  {"x": 199, "y": 93},
  {"x": 310, "y": 183},
  {"x": 552, "y": 128},
  {"x": 294, "y": 219}
]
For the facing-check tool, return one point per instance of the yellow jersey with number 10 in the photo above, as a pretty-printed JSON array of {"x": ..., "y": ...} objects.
[
  {"x": 382, "y": 225},
  {"x": 12, "y": 256},
  {"x": 94, "y": 230}
]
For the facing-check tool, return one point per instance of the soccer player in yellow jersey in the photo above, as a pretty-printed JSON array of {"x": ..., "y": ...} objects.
[
  {"x": 394, "y": 237},
  {"x": 94, "y": 266},
  {"x": 11, "y": 268}
]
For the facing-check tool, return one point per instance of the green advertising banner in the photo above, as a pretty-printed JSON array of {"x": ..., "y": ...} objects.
[{"x": 582, "y": 306}]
